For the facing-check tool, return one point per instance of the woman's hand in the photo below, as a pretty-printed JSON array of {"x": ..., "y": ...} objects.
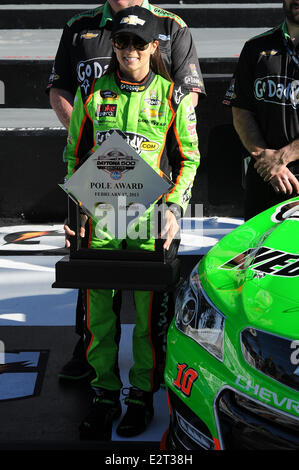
[
  {"x": 71, "y": 233},
  {"x": 170, "y": 228}
]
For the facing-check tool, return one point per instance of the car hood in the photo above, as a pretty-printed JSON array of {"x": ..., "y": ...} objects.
[{"x": 252, "y": 274}]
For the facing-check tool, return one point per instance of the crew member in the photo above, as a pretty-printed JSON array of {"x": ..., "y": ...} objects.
[{"x": 264, "y": 96}]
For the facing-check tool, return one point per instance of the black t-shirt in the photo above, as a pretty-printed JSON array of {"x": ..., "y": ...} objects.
[
  {"x": 266, "y": 82},
  {"x": 85, "y": 50}
]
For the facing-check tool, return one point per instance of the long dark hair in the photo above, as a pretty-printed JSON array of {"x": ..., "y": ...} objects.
[{"x": 156, "y": 64}]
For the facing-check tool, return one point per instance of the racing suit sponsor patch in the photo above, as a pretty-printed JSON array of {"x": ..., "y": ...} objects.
[
  {"x": 192, "y": 129},
  {"x": 154, "y": 113},
  {"x": 191, "y": 117},
  {"x": 137, "y": 141},
  {"x": 108, "y": 95},
  {"x": 106, "y": 110},
  {"x": 178, "y": 95},
  {"x": 186, "y": 196},
  {"x": 149, "y": 146},
  {"x": 129, "y": 87},
  {"x": 153, "y": 100}
]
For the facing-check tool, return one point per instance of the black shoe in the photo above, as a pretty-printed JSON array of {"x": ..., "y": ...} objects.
[
  {"x": 75, "y": 369},
  {"x": 139, "y": 413},
  {"x": 105, "y": 408}
]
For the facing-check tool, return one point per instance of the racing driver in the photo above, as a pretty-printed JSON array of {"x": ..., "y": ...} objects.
[{"x": 142, "y": 102}]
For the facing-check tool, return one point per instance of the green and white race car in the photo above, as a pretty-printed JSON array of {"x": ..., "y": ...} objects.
[{"x": 232, "y": 370}]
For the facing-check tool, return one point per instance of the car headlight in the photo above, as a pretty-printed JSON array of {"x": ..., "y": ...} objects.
[{"x": 198, "y": 318}]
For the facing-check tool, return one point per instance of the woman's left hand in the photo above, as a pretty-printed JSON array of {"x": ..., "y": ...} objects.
[{"x": 170, "y": 228}]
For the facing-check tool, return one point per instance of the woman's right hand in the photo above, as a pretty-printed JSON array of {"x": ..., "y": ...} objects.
[{"x": 71, "y": 233}]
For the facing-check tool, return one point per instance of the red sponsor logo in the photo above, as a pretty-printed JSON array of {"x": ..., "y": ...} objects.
[{"x": 106, "y": 110}]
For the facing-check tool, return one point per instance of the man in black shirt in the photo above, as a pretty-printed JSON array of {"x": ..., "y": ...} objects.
[
  {"x": 85, "y": 49},
  {"x": 83, "y": 54},
  {"x": 264, "y": 96}
]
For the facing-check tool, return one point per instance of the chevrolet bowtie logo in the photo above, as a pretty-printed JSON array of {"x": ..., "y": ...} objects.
[
  {"x": 89, "y": 35},
  {"x": 132, "y": 19}
]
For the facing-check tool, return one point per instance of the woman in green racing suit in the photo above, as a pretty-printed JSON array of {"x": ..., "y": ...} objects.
[{"x": 136, "y": 96}]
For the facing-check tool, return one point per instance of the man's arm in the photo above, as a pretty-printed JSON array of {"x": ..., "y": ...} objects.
[
  {"x": 248, "y": 130},
  {"x": 62, "y": 102},
  {"x": 194, "y": 97},
  {"x": 270, "y": 164},
  {"x": 62, "y": 84},
  {"x": 281, "y": 157}
]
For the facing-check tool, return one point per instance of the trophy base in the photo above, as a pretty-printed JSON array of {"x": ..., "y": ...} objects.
[{"x": 117, "y": 274}]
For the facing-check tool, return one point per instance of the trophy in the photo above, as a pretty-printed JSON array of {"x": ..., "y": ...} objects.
[{"x": 114, "y": 187}]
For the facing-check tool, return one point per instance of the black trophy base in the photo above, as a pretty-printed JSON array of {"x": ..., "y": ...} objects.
[{"x": 117, "y": 274}]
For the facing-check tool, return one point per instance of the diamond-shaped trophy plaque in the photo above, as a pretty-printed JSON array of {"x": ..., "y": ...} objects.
[{"x": 111, "y": 187}]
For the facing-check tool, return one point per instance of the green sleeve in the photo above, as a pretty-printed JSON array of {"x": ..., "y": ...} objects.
[
  {"x": 75, "y": 133},
  {"x": 184, "y": 155}
]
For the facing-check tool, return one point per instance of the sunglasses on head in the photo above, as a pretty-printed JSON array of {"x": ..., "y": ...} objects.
[{"x": 122, "y": 41}]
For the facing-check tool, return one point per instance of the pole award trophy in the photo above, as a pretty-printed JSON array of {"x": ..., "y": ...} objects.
[{"x": 110, "y": 187}]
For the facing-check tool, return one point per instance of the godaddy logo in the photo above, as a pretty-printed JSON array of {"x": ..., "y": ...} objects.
[{"x": 280, "y": 90}]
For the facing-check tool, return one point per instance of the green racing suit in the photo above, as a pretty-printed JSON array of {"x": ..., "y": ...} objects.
[{"x": 158, "y": 120}]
